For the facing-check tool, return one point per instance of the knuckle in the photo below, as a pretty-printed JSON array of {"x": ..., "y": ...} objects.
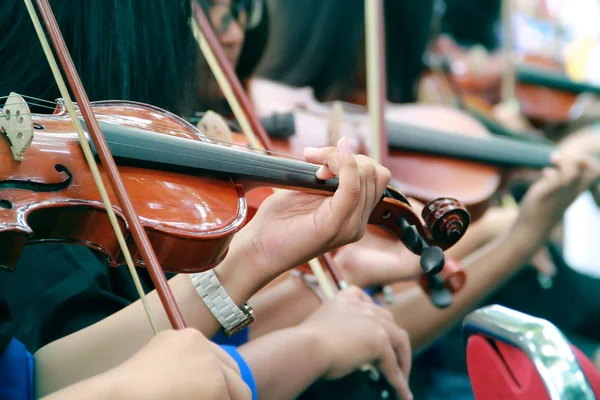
[
  {"x": 354, "y": 291},
  {"x": 371, "y": 172},
  {"x": 385, "y": 176},
  {"x": 359, "y": 233}
]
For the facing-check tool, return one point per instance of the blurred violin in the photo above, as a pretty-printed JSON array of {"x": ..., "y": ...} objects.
[
  {"x": 546, "y": 94},
  {"x": 425, "y": 163}
]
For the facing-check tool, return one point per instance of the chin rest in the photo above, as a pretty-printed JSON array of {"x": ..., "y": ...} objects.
[{"x": 514, "y": 356}]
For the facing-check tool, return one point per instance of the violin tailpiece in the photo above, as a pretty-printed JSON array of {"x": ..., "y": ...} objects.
[{"x": 16, "y": 125}]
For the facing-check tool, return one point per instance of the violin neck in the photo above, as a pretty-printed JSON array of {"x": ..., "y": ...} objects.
[
  {"x": 554, "y": 80},
  {"x": 499, "y": 151},
  {"x": 148, "y": 149}
]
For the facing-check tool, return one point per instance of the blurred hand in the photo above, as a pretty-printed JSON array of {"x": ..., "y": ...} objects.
[
  {"x": 355, "y": 331},
  {"x": 547, "y": 199},
  {"x": 377, "y": 259}
]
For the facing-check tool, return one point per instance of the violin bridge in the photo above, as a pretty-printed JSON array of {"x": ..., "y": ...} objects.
[
  {"x": 215, "y": 127},
  {"x": 16, "y": 125}
]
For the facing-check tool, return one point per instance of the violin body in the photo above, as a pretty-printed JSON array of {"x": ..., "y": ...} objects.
[
  {"x": 51, "y": 196},
  {"x": 423, "y": 177}
]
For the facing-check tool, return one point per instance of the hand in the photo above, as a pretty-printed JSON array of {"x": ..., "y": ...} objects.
[
  {"x": 547, "y": 199},
  {"x": 354, "y": 331},
  {"x": 377, "y": 259},
  {"x": 291, "y": 228},
  {"x": 181, "y": 365},
  {"x": 584, "y": 141}
]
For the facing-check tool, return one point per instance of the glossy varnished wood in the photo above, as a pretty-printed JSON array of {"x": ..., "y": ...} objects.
[{"x": 189, "y": 220}]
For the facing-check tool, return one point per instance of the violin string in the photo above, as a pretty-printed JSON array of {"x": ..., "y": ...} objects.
[
  {"x": 124, "y": 119},
  {"x": 58, "y": 78},
  {"x": 255, "y": 163}
]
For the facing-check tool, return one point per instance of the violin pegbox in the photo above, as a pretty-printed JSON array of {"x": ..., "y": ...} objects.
[{"x": 16, "y": 125}]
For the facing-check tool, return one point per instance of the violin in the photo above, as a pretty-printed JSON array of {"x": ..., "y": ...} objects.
[
  {"x": 189, "y": 193},
  {"x": 425, "y": 162},
  {"x": 545, "y": 93},
  {"x": 421, "y": 177}
]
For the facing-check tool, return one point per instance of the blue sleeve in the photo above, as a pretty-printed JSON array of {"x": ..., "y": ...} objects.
[
  {"x": 16, "y": 373},
  {"x": 244, "y": 369}
]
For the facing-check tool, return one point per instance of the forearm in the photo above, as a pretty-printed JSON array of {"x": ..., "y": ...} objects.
[
  {"x": 291, "y": 295},
  {"x": 284, "y": 363},
  {"x": 487, "y": 270},
  {"x": 96, "y": 388},
  {"x": 113, "y": 340}
]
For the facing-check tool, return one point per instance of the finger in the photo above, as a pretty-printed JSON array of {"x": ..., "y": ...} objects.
[
  {"x": 225, "y": 358},
  {"x": 322, "y": 156},
  {"x": 543, "y": 263},
  {"x": 591, "y": 173},
  {"x": 400, "y": 342},
  {"x": 569, "y": 168},
  {"x": 324, "y": 173},
  {"x": 349, "y": 193},
  {"x": 384, "y": 177},
  {"x": 236, "y": 387},
  {"x": 389, "y": 268},
  {"x": 388, "y": 365},
  {"x": 354, "y": 292},
  {"x": 369, "y": 183}
]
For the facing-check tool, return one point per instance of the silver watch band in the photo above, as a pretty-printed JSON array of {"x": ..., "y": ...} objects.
[{"x": 230, "y": 316}]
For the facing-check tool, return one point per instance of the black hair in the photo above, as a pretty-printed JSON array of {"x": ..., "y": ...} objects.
[
  {"x": 254, "y": 45},
  {"x": 123, "y": 49},
  {"x": 313, "y": 42}
]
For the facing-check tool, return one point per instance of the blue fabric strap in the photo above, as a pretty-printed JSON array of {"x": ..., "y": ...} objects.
[
  {"x": 16, "y": 373},
  {"x": 245, "y": 371}
]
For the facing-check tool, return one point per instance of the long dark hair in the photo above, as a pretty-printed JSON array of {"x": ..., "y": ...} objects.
[{"x": 123, "y": 49}]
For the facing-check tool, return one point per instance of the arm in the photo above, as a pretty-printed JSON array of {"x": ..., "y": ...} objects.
[
  {"x": 540, "y": 210},
  {"x": 96, "y": 388},
  {"x": 174, "y": 364},
  {"x": 284, "y": 363},
  {"x": 487, "y": 270},
  {"x": 264, "y": 249},
  {"x": 344, "y": 333}
]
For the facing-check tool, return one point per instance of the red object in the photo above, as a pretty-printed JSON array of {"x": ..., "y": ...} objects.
[{"x": 508, "y": 374}]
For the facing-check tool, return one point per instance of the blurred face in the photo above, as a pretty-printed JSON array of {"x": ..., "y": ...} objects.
[
  {"x": 229, "y": 19},
  {"x": 229, "y": 22}
]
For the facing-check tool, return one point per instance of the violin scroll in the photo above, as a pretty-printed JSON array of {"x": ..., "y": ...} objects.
[{"x": 447, "y": 220}]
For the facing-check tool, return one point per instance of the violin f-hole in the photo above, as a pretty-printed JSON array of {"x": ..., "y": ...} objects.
[{"x": 39, "y": 187}]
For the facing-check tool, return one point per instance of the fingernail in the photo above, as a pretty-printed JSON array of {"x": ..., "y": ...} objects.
[
  {"x": 320, "y": 171},
  {"x": 344, "y": 145}
]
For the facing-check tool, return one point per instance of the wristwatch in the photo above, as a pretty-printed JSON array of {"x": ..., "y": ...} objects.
[{"x": 231, "y": 317}]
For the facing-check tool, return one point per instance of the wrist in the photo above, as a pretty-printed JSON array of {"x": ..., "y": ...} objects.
[
  {"x": 523, "y": 242},
  {"x": 265, "y": 264},
  {"x": 240, "y": 272},
  {"x": 315, "y": 343}
]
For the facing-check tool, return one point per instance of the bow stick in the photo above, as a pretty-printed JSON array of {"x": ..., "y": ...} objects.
[
  {"x": 249, "y": 123},
  {"x": 377, "y": 89},
  {"x": 141, "y": 239}
]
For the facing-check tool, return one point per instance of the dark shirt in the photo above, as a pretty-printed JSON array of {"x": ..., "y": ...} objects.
[
  {"x": 59, "y": 289},
  {"x": 6, "y": 325}
]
